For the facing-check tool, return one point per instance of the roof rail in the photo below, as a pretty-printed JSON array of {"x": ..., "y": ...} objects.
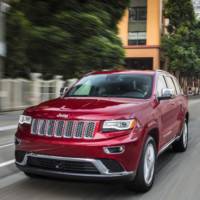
[{"x": 163, "y": 71}]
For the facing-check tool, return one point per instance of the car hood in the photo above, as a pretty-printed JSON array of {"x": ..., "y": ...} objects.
[{"x": 88, "y": 108}]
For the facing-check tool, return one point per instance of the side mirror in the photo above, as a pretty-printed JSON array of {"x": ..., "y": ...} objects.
[
  {"x": 167, "y": 94},
  {"x": 63, "y": 90}
]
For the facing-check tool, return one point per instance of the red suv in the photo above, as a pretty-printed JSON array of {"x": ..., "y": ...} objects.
[{"x": 109, "y": 125}]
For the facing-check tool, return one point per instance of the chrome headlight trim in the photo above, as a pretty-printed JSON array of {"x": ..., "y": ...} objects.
[
  {"x": 25, "y": 119},
  {"x": 119, "y": 125}
]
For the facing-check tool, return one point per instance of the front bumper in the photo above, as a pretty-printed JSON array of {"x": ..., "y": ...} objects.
[
  {"x": 92, "y": 152},
  {"x": 53, "y": 166}
]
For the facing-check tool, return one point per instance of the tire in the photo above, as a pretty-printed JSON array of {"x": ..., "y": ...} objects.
[
  {"x": 182, "y": 144},
  {"x": 145, "y": 174},
  {"x": 31, "y": 175}
]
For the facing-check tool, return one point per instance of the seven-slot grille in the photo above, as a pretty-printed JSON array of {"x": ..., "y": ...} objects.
[{"x": 65, "y": 129}]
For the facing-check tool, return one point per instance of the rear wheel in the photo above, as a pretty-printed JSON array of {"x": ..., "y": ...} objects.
[
  {"x": 182, "y": 144},
  {"x": 146, "y": 171}
]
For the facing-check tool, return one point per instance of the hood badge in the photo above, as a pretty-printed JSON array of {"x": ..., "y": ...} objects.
[{"x": 60, "y": 115}]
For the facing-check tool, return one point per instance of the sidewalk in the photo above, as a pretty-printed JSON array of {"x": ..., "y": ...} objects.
[{"x": 194, "y": 97}]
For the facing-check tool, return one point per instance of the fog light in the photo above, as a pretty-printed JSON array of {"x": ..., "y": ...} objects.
[{"x": 114, "y": 150}]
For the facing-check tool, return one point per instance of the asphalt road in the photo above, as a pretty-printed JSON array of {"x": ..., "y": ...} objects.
[{"x": 177, "y": 176}]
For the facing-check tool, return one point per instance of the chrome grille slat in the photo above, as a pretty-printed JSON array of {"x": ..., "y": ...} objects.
[
  {"x": 89, "y": 130},
  {"x": 42, "y": 127},
  {"x": 74, "y": 129},
  {"x": 39, "y": 126},
  {"x": 63, "y": 128},
  {"x": 79, "y": 130},
  {"x": 50, "y": 128},
  {"x": 55, "y": 128},
  {"x": 34, "y": 126},
  {"x": 46, "y": 128},
  {"x": 59, "y": 128},
  {"x": 69, "y": 129}
]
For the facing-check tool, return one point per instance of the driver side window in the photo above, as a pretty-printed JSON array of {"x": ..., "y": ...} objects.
[{"x": 161, "y": 84}]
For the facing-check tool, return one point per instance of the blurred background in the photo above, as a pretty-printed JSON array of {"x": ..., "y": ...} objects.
[{"x": 47, "y": 44}]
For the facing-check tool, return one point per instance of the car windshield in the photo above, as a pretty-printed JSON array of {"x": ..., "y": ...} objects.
[{"x": 113, "y": 85}]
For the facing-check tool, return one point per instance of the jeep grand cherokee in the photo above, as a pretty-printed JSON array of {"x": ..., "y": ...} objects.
[{"x": 109, "y": 125}]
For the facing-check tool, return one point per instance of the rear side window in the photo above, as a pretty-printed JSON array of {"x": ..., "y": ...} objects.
[
  {"x": 161, "y": 84},
  {"x": 170, "y": 83},
  {"x": 178, "y": 87}
]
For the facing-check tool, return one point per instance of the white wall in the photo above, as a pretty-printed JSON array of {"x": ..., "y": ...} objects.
[{"x": 21, "y": 93}]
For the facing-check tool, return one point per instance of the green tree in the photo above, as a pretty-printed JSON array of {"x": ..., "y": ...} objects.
[
  {"x": 180, "y": 13},
  {"x": 17, "y": 61},
  {"x": 180, "y": 49},
  {"x": 66, "y": 37}
]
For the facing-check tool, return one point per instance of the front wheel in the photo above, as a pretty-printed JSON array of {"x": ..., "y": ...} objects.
[
  {"x": 182, "y": 144},
  {"x": 146, "y": 171},
  {"x": 30, "y": 175}
]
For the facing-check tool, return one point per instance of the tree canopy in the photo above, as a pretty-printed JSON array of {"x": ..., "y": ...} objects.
[
  {"x": 63, "y": 37},
  {"x": 180, "y": 47},
  {"x": 180, "y": 13}
]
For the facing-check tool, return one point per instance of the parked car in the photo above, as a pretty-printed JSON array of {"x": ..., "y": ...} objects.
[{"x": 110, "y": 125}]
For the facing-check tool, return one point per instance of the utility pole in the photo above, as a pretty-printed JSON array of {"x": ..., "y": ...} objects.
[
  {"x": 2, "y": 41},
  {"x": 3, "y": 8}
]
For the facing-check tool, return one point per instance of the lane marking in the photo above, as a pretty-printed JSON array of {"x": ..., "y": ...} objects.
[
  {"x": 6, "y": 145},
  {"x": 10, "y": 162},
  {"x": 6, "y": 128}
]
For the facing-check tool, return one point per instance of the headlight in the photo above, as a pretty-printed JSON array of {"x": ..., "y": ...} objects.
[
  {"x": 24, "y": 119},
  {"x": 119, "y": 125}
]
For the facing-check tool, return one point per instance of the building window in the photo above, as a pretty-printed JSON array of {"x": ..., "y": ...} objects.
[
  {"x": 137, "y": 22},
  {"x": 139, "y": 63},
  {"x": 137, "y": 38},
  {"x": 137, "y": 14}
]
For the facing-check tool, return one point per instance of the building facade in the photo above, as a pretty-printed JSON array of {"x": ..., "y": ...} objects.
[{"x": 140, "y": 30}]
